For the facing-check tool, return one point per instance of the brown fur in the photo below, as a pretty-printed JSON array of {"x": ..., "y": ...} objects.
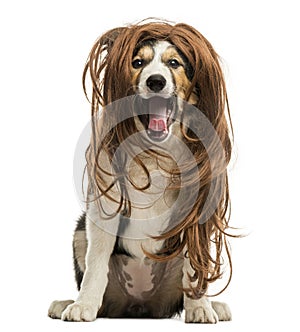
[{"x": 110, "y": 70}]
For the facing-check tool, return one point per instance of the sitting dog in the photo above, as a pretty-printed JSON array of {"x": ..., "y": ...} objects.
[{"x": 154, "y": 231}]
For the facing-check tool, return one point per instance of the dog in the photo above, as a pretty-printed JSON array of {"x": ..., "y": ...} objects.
[{"x": 155, "y": 227}]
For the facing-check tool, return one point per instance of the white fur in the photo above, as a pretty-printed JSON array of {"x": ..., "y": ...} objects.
[
  {"x": 150, "y": 213},
  {"x": 156, "y": 66}
]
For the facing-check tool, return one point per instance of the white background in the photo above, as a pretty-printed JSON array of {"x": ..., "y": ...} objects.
[{"x": 44, "y": 45}]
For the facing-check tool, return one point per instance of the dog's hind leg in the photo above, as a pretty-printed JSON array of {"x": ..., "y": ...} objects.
[
  {"x": 57, "y": 307},
  {"x": 79, "y": 251}
]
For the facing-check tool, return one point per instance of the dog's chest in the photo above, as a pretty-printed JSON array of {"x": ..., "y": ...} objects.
[
  {"x": 151, "y": 207},
  {"x": 150, "y": 192}
]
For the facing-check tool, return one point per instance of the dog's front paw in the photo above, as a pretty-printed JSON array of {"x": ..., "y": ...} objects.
[
  {"x": 201, "y": 314},
  {"x": 57, "y": 307},
  {"x": 79, "y": 312},
  {"x": 222, "y": 309}
]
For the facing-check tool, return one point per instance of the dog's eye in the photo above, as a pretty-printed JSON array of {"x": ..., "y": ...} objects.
[
  {"x": 173, "y": 63},
  {"x": 138, "y": 63}
]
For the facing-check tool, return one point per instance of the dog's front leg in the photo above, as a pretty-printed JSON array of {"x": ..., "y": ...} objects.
[
  {"x": 100, "y": 247},
  {"x": 201, "y": 310}
]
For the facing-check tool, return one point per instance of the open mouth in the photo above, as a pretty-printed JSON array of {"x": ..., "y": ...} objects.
[{"x": 157, "y": 116}]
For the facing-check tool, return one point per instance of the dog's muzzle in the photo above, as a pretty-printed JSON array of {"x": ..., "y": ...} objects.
[{"x": 157, "y": 114}]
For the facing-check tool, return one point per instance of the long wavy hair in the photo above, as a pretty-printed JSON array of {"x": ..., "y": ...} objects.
[{"x": 109, "y": 69}]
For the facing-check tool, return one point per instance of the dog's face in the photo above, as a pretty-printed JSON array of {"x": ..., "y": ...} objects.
[{"x": 161, "y": 77}]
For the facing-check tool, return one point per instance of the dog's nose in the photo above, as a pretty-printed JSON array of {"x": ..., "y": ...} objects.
[{"x": 156, "y": 82}]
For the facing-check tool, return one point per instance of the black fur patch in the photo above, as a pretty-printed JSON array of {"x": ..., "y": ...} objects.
[
  {"x": 189, "y": 71},
  {"x": 81, "y": 226},
  {"x": 119, "y": 249},
  {"x": 81, "y": 223},
  {"x": 148, "y": 42}
]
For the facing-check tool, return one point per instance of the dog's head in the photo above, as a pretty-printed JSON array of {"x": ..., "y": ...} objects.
[
  {"x": 161, "y": 76},
  {"x": 164, "y": 65}
]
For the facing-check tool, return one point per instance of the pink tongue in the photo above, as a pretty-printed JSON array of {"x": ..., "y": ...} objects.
[{"x": 158, "y": 114}]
